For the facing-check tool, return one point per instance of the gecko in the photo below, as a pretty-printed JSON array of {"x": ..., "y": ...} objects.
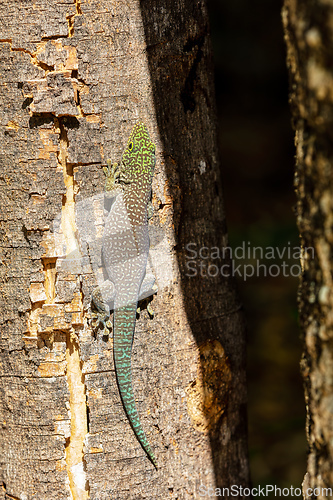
[{"x": 125, "y": 251}]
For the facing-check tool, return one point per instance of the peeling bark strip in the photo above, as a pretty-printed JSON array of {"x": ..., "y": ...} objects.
[
  {"x": 75, "y": 77},
  {"x": 309, "y": 36}
]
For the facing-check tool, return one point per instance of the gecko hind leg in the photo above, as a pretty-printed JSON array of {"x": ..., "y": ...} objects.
[
  {"x": 103, "y": 301},
  {"x": 148, "y": 287},
  {"x": 147, "y": 290}
]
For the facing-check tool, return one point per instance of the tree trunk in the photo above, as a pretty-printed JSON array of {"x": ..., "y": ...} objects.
[
  {"x": 309, "y": 36},
  {"x": 75, "y": 78}
]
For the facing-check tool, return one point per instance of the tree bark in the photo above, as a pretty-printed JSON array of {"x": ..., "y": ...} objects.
[
  {"x": 75, "y": 78},
  {"x": 309, "y": 36}
]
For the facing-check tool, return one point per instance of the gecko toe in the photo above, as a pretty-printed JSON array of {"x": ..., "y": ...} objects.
[{"x": 150, "y": 311}]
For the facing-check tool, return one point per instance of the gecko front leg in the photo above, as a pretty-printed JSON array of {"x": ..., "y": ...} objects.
[
  {"x": 150, "y": 210},
  {"x": 112, "y": 173}
]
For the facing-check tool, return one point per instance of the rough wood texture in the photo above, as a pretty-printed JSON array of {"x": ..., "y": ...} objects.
[
  {"x": 309, "y": 36},
  {"x": 75, "y": 77}
]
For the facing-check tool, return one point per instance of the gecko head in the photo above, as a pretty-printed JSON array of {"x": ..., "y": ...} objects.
[{"x": 139, "y": 156}]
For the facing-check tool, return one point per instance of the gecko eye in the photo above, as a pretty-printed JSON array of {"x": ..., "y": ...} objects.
[{"x": 130, "y": 146}]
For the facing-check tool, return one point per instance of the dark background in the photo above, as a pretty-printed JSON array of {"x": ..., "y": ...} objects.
[{"x": 257, "y": 152}]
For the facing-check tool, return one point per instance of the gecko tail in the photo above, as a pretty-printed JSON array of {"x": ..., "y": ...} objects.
[{"x": 124, "y": 324}]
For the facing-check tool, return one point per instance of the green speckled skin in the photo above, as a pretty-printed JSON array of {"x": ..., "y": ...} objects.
[{"x": 125, "y": 254}]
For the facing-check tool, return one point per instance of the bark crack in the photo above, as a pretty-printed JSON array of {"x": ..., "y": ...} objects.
[
  {"x": 45, "y": 67},
  {"x": 70, "y": 17},
  {"x": 78, "y": 7},
  {"x": 7, "y": 495}
]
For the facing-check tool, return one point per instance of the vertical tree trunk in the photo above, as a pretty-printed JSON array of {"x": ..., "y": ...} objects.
[
  {"x": 309, "y": 36},
  {"x": 75, "y": 78}
]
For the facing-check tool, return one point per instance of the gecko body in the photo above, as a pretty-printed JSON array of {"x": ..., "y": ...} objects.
[{"x": 125, "y": 253}]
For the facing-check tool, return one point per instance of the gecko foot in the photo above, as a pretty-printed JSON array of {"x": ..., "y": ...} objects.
[
  {"x": 101, "y": 321},
  {"x": 112, "y": 174},
  {"x": 145, "y": 304}
]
